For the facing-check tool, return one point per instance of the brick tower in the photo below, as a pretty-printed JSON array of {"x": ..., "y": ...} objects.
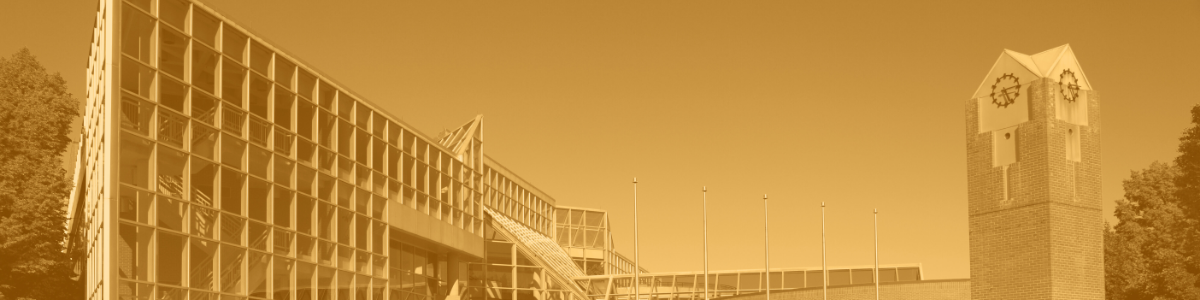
[{"x": 1033, "y": 180}]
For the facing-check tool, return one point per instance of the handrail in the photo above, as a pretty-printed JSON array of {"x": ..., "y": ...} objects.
[
  {"x": 260, "y": 131},
  {"x": 232, "y": 119},
  {"x": 171, "y": 128}
]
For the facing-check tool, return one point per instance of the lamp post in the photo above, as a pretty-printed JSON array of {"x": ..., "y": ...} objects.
[
  {"x": 767, "y": 247},
  {"x": 824, "y": 269},
  {"x": 636, "y": 263},
  {"x": 705, "y": 206}
]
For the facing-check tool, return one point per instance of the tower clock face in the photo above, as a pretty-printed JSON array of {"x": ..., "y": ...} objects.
[
  {"x": 1068, "y": 85},
  {"x": 1006, "y": 90}
]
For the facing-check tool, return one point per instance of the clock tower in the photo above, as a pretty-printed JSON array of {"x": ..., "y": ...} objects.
[{"x": 1033, "y": 180}]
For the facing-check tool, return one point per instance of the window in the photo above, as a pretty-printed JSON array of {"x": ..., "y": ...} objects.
[
  {"x": 814, "y": 278},
  {"x": 750, "y": 282},
  {"x": 174, "y": 13},
  {"x": 232, "y": 151},
  {"x": 304, "y": 214},
  {"x": 304, "y": 119},
  {"x": 203, "y": 176},
  {"x": 260, "y": 197},
  {"x": 260, "y": 92},
  {"x": 283, "y": 108},
  {"x": 887, "y": 275},
  {"x": 202, "y": 272},
  {"x": 908, "y": 274},
  {"x": 260, "y": 265},
  {"x": 204, "y": 69},
  {"x": 137, "y": 78},
  {"x": 839, "y": 277},
  {"x": 304, "y": 179},
  {"x": 345, "y": 226},
  {"x": 283, "y": 207},
  {"x": 135, "y": 252},
  {"x": 283, "y": 279},
  {"x": 260, "y": 161},
  {"x": 232, "y": 229},
  {"x": 173, "y": 94},
  {"x": 204, "y": 108},
  {"x": 305, "y": 84},
  {"x": 235, "y": 44},
  {"x": 136, "y": 205},
  {"x": 345, "y": 106},
  {"x": 171, "y": 256},
  {"x": 137, "y": 32},
  {"x": 173, "y": 52},
  {"x": 283, "y": 171},
  {"x": 792, "y": 280},
  {"x": 135, "y": 161},
  {"x": 284, "y": 72},
  {"x": 204, "y": 27},
  {"x": 233, "y": 80},
  {"x": 171, "y": 165},
  {"x": 204, "y": 222},
  {"x": 171, "y": 214},
  {"x": 863, "y": 276},
  {"x": 260, "y": 58},
  {"x": 232, "y": 264},
  {"x": 232, "y": 185}
]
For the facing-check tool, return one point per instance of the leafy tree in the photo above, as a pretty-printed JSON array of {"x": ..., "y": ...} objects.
[
  {"x": 1143, "y": 253},
  {"x": 1154, "y": 250},
  {"x": 36, "y": 113},
  {"x": 1189, "y": 194}
]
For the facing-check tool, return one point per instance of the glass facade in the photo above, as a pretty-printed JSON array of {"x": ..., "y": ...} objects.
[
  {"x": 585, "y": 234},
  {"x": 243, "y": 175},
  {"x": 507, "y": 272}
]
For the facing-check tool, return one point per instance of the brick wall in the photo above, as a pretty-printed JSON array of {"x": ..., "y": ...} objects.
[
  {"x": 1045, "y": 241},
  {"x": 954, "y": 289}
]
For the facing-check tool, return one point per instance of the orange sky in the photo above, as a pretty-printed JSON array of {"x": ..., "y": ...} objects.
[{"x": 858, "y": 104}]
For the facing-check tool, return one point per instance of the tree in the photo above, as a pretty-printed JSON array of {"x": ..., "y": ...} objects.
[
  {"x": 1144, "y": 253},
  {"x": 1189, "y": 188},
  {"x": 36, "y": 113}
]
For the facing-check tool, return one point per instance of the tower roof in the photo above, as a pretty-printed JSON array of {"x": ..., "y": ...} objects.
[{"x": 1046, "y": 64}]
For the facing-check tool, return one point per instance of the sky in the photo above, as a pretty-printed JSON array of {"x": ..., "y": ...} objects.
[{"x": 855, "y": 104}]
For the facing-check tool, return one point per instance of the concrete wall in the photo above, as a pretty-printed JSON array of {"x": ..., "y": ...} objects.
[{"x": 951, "y": 289}]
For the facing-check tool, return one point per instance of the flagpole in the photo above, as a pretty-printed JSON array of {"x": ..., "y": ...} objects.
[
  {"x": 824, "y": 269},
  {"x": 636, "y": 263},
  {"x": 767, "y": 247},
  {"x": 705, "y": 203},
  {"x": 876, "y": 254}
]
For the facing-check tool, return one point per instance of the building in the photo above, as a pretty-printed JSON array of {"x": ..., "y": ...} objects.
[
  {"x": 731, "y": 283},
  {"x": 1033, "y": 180},
  {"x": 216, "y": 166}
]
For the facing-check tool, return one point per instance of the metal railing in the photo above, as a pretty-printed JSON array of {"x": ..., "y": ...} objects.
[
  {"x": 283, "y": 141},
  {"x": 171, "y": 128},
  {"x": 232, "y": 119},
  {"x": 208, "y": 116},
  {"x": 131, "y": 116},
  {"x": 260, "y": 132}
]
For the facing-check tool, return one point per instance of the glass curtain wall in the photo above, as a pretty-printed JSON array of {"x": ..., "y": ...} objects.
[
  {"x": 245, "y": 176},
  {"x": 507, "y": 273}
]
